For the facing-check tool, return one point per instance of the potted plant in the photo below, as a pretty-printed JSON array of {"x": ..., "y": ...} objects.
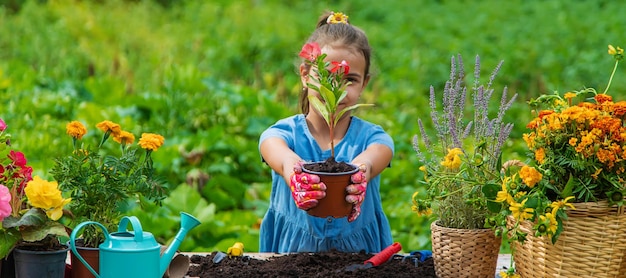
[
  {"x": 329, "y": 82},
  {"x": 30, "y": 213},
  {"x": 568, "y": 199},
  {"x": 462, "y": 171},
  {"x": 101, "y": 180}
]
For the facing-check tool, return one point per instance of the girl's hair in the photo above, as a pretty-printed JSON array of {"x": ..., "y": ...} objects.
[{"x": 337, "y": 34}]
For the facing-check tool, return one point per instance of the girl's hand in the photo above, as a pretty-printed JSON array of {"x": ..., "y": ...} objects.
[
  {"x": 306, "y": 189},
  {"x": 356, "y": 193}
]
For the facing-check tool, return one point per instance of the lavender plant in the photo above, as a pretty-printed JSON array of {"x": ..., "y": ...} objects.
[{"x": 462, "y": 165}]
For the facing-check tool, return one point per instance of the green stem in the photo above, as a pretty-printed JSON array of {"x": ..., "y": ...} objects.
[{"x": 611, "y": 78}]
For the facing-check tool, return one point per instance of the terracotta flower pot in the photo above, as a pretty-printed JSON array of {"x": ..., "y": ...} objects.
[
  {"x": 91, "y": 255},
  {"x": 334, "y": 204}
]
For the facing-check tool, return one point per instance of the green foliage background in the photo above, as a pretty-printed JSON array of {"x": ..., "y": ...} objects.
[{"x": 211, "y": 75}]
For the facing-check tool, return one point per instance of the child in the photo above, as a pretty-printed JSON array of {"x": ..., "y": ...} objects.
[{"x": 305, "y": 137}]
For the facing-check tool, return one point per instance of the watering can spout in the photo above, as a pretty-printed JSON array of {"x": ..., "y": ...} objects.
[{"x": 187, "y": 222}]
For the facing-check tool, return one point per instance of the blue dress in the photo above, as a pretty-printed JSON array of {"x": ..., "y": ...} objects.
[{"x": 287, "y": 229}]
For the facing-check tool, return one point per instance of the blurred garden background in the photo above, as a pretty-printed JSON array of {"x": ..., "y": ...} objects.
[{"x": 211, "y": 75}]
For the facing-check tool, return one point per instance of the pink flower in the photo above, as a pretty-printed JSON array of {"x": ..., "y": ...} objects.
[
  {"x": 310, "y": 51},
  {"x": 5, "y": 202},
  {"x": 3, "y": 125},
  {"x": 18, "y": 158},
  {"x": 337, "y": 66}
]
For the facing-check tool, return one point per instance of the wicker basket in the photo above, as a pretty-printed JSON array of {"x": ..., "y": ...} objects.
[
  {"x": 592, "y": 244},
  {"x": 471, "y": 253}
]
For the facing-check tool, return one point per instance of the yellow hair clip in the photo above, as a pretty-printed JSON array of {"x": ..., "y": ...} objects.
[{"x": 335, "y": 18}]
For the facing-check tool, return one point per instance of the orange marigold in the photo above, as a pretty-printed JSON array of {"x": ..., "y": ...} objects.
[
  {"x": 619, "y": 109},
  {"x": 124, "y": 137},
  {"x": 108, "y": 126},
  {"x": 530, "y": 175},
  {"x": 602, "y": 98},
  {"x": 76, "y": 129},
  {"x": 151, "y": 141}
]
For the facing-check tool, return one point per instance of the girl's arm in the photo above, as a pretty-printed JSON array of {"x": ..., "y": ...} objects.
[
  {"x": 279, "y": 156},
  {"x": 375, "y": 159}
]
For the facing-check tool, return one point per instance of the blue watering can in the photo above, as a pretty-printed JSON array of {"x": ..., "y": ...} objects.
[{"x": 133, "y": 253}]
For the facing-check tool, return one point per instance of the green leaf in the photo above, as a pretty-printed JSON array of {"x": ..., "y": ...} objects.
[
  {"x": 40, "y": 232},
  {"x": 320, "y": 107},
  {"x": 343, "y": 111},
  {"x": 32, "y": 217},
  {"x": 490, "y": 190},
  {"x": 329, "y": 97},
  {"x": 569, "y": 186},
  {"x": 8, "y": 239}
]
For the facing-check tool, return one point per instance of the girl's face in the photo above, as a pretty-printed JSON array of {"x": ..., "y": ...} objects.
[{"x": 356, "y": 76}]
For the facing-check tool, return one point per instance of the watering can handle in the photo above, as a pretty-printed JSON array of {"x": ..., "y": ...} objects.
[
  {"x": 73, "y": 243},
  {"x": 134, "y": 221}
]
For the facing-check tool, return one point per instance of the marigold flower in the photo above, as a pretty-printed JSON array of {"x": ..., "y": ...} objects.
[
  {"x": 619, "y": 109},
  {"x": 76, "y": 129},
  {"x": 540, "y": 155},
  {"x": 602, "y": 98},
  {"x": 124, "y": 138},
  {"x": 151, "y": 141},
  {"x": 530, "y": 175},
  {"x": 109, "y": 127},
  {"x": 453, "y": 159},
  {"x": 569, "y": 95}
]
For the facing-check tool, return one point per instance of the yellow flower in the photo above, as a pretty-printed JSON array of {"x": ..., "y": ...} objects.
[
  {"x": 76, "y": 129},
  {"x": 556, "y": 205},
  {"x": 520, "y": 212},
  {"x": 47, "y": 196},
  {"x": 124, "y": 137},
  {"x": 110, "y": 127},
  {"x": 540, "y": 155},
  {"x": 419, "y": 207},
  {"x": 506, "y": 274},
  {"x": 423, "y": 169},
  {"x": 151, "y": 141},
  {"x": 613, "y": 51},
  {"x": 530, "y": 175},
  {"x": 335, "y": 18},
  {"x": 553, "y": 224},
  {"x": 569, "y": 95},
  {"x": 452, "y": 160},
  {"x": 504, "y": 195}
]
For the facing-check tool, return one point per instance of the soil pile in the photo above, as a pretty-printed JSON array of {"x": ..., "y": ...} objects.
[{"x": 323, "y": 264}]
